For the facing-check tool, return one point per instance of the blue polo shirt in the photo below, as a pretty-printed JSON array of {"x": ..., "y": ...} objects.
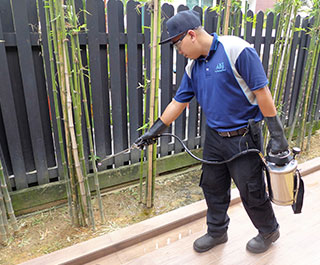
[{"x": 223, "y": 83}]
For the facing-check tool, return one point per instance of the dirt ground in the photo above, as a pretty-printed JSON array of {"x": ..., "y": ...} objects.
[{"x": 47, "y": 231}]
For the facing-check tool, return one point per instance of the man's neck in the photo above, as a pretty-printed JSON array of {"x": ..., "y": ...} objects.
[{"x": 207, "y": 42}]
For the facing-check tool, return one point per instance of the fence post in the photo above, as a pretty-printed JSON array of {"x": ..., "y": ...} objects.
[
  {"x": 166, "y": 73},
  {"x": 98, "y": 61},
  {"x": 118, "y": 78},
  {"x": 135, "y": 88},
  {"x": 180, "y": 122}
]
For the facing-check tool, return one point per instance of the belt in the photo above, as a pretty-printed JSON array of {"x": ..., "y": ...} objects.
[{"x": 240, "y": 131}]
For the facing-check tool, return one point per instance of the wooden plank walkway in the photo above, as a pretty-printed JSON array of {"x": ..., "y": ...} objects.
[
  {"x": 298, "y": 243},
  {"x": 168, "y": 239}
]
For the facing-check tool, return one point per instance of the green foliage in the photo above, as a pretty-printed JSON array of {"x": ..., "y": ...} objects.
[{"x": 145, "y": 126}]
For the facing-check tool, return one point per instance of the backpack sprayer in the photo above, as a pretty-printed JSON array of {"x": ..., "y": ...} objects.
[{"x": 285, "y": 186}]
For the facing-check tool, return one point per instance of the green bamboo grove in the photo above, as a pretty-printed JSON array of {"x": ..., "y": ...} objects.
[
  {"x": 69, "y": 89},
  {"x": 305, "y": 110},
  {"x": 306, "y": 100}
]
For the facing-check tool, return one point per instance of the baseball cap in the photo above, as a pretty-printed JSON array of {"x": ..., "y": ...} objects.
[{"x": 180, "y": 23}]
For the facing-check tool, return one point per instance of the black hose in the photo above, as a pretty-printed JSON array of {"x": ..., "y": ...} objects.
[{"x": 214, "y": 162}]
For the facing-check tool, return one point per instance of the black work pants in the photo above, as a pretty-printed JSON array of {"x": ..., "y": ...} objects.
[{"x": 246, "y": 172}]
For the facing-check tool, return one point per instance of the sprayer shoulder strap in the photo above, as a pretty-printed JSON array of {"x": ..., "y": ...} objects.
[{"x": 297, "y": 206}]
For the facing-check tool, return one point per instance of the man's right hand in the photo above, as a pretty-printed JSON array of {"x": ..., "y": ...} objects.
[{"x": 150, "y": 137}]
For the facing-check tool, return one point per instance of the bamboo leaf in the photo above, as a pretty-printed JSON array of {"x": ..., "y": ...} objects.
[{"x": 145, "y": 126}]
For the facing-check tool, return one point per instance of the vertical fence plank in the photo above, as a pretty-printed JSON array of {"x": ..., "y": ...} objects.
[
  {"x": 10, "y": 120},
  {"x": 118, "y": 78},
  {"x": 301, "y": 60},
  {"x": 287, "y": 90},
  {"x": 236, "y": 19},
  {"x": 135, "y": 89},
  {"x": 166, "y": 73},
  {"x": 249, "y": 25},
  {"x": 258, "y": 32},
  {"x": 6, "y": 16},
  {"x": 99, "y": 79},
  {"x": 180, "y": 122},
  {"x": 193, "y": 110},
  {"x": 210, "y": 20},
  {"x": 4, "y": 167},
  {"x": 274, "y": 42},
  {"x": 44, "y": 40},
  {"x": 30, "y": 90},
  {"x": 267, "y": 42},
  {"x": 41, "y": 87}
]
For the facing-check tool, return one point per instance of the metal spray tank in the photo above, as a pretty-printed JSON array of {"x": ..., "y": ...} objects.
[{"x": 283, "y": 177}]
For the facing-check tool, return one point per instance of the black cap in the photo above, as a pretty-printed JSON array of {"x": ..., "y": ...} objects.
[{"x": 180, "y": 23}]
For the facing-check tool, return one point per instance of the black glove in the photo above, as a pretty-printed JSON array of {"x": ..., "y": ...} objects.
[
  {"x": 151, "y": 136},
  {"x": 278, "y": 142}
]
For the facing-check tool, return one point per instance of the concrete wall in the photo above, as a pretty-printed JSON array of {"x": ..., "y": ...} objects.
[{"x": 263, "y": 5}]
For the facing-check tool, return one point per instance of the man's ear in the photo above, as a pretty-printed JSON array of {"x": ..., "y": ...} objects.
[{"x": 192, "y": 34}]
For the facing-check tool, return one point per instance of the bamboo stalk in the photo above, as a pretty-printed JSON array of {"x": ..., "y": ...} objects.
[
  {"x": 49, "y": 14},
  {"x": 156, "y": 103},
  {"x": 82, "y": 91},
  {"x": 246, "y": 7},
  {"x": 316, "y": 94},
  {"x": 71, "y": 128},
  {"x": 283, "y": 52},
  {"x": 237, "y": 15},
  {"x": 89, "y": 131},
  {"x": 284, "y": 67},
  {"x": 59, "y": 35},
  {"x": 7, "y": 200},
  {"x": 3, "y": 216},
  {"x": 152, "y": 97},
  {"x": 226, "y": 17},
  {"x": 75, "y": 95},
  {"x": 277, "y": 52},
  {"x": 219, "y": 17},
  {"x": 3, "y": 232},
  {"x": 72, "y": 152}
]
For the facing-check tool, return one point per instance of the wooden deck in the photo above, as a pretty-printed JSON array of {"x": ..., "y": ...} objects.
[{"x": 168, "y": 239}]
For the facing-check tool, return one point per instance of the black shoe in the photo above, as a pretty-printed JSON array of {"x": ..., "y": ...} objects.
[
  {"x": 207, "y": 242},
  {"x": 262, "y": 243}
]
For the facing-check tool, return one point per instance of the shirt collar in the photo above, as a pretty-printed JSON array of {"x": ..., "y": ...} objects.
[{"x": 213, "y": 47}]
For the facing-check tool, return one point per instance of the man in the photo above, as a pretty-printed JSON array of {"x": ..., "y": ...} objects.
[{"x": 227, "y": 78}]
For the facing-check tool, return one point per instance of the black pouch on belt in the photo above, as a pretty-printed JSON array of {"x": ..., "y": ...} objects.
[{"x": 255, "y": 132}]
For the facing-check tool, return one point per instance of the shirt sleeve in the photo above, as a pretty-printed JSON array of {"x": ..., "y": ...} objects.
[
  {"x": 185, "y": 92},
  {"x": 249, "y": 66}
]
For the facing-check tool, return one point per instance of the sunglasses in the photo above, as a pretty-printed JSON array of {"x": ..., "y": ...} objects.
[{"x": 176, "y": 44}]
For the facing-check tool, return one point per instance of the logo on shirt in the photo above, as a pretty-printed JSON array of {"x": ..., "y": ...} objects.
[{"x": 220, "y": 68}]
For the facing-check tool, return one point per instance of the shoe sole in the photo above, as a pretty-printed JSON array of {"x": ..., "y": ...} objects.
[
  {"x": 201, "y": 250},
  {"x": 257, "y": 251}
]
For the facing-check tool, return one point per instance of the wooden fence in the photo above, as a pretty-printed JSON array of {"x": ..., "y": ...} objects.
[{"x": 119, "y": 61}]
